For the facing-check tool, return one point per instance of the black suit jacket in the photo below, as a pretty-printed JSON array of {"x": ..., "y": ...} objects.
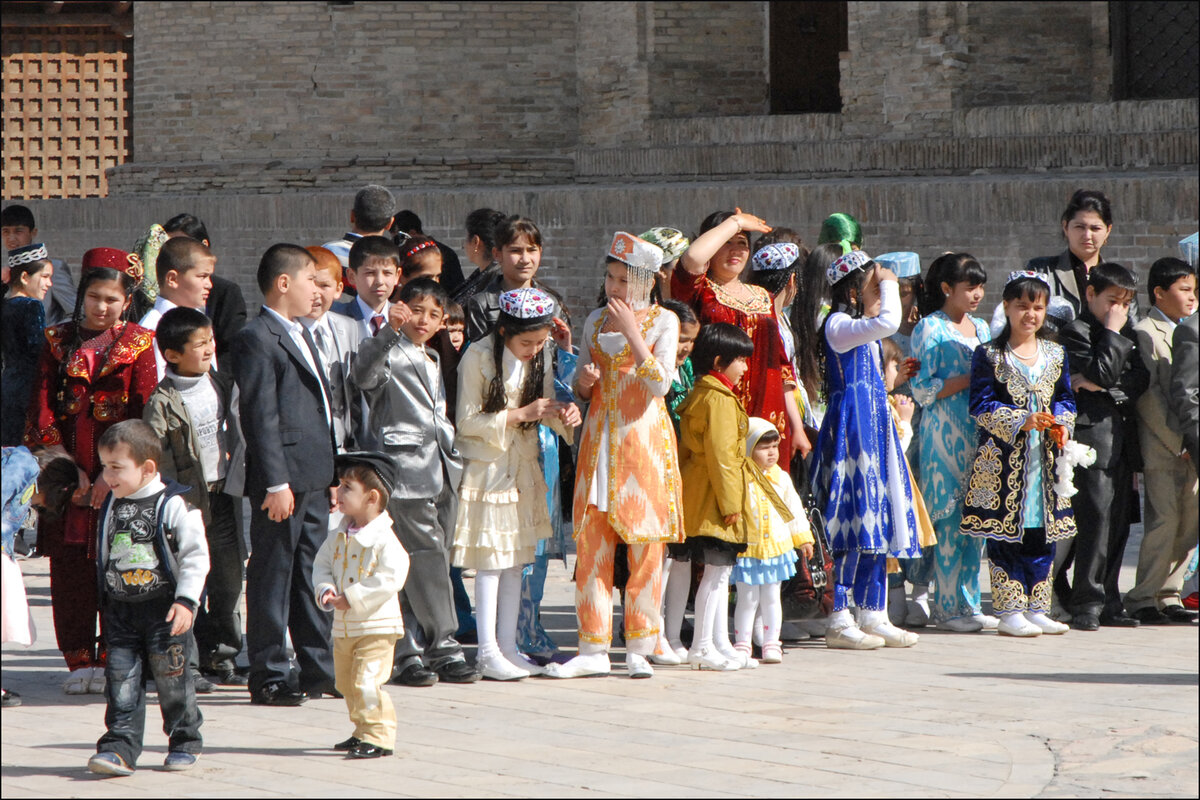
[
  {"x": 1110, "y": 360},
  {"x": 227, "y": 309},
  {"x": 288, "y": 439}
]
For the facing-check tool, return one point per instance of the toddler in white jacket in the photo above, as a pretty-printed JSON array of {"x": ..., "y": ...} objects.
[{"x": 357, "y": 573}]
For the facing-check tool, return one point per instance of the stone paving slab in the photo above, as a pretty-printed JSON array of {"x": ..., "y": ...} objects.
[{"x": 1113, "y": 712}]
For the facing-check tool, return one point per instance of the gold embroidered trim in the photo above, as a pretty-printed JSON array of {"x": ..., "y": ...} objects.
[
  {"x": 1008, "y": 595},
  {"x": 759, "y": 302},
  {"x": 1039, "y": 599}
]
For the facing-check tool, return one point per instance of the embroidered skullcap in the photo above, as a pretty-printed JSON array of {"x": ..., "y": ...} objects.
[
  {"x": 27, "y": 254},
  {"x": 905, "y": 265},
  {"x": 643, "y": 260},
  {"x": 530, "y": 303},
  {"x": 635, "y": 252},
  {"x": 844, "y": 265},
  {"x": 671, "y": 240},
  {"x": 1187, "y": 248},
  {"x": 1027, "y": 273},
  {"x": 754, "y": 431},
  {"x": 112, "y": 258},
  {"x": 780, "y": 255},
  {"x": 382, "y": 465}
]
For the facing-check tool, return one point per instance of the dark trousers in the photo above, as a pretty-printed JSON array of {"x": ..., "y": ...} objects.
[
  {"x": 1021, "y": 573},
  {"x": 75, "y": 605},
  {"x": 1102, "y": 514},
  {"x": 139, "y": 641},
  {"x": 423, "y": 527},
  {"x": 219, "y": 625},
  {"x": 279, "y": 595}
]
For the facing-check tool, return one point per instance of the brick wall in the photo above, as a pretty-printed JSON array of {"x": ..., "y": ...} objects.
[
  {"x": 708, "y": 59},
  {"x": 310, "y": 80},
  {"x": 1002, "y": 220}
]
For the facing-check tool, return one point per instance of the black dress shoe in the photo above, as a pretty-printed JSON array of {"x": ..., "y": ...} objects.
[
  {"x": 1085, "y": 622},
  {"x": 457, "y": 672},
  {"x": 415, "y": 675},
  {"x": 1118, "y": 620},
  {"x": 203, "y": 685},
  {"x": 231, "y": 678},
  {"x": 349, "y": 744},
  {"x": 367, "y": 750},
  {"x": 1151, "y": 616},
  {"x": 1179, "y": 614},
  {"x": 277, "y": 694}
]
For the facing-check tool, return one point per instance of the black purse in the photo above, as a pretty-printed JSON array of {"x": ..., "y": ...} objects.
[{"x": 806, "y": 595}]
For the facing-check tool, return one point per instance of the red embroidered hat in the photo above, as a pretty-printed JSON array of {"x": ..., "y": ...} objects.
[{"x": 112, "y": 258}]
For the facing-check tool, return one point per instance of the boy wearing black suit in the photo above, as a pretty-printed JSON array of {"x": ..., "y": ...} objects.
[
  {"x": 286, "y": 421},
  {"x": 1108, "y": 377}
]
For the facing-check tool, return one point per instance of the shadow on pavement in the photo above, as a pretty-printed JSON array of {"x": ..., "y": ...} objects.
[{"x": 1151, "y": 678}]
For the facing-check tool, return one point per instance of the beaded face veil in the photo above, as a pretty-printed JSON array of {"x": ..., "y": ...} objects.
[{"x": 643, "y": 260}]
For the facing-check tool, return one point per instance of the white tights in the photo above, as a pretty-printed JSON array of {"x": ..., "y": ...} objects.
[
  {"x": 764, "y": 599},
  {"x": 497, "y": 605},
  {"x": 675, "y": 593},
  {"x": 711, "y": 605}
]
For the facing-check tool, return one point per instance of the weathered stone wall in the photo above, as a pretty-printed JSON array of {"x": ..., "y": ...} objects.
[{"x": 1002, "y": 220}]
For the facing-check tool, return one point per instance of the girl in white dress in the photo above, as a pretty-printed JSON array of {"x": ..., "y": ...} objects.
[{"x": 504, "y": 391}]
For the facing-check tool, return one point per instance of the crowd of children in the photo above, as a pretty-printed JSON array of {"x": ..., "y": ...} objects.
[{"x": 417, "y": 433}]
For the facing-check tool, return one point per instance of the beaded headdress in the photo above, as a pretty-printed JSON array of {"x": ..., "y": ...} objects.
[
  {"x": 643, "y": 260},
  {"x": 27, "y": 254}
]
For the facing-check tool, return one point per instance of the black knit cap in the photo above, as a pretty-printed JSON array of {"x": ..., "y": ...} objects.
[{"x": 380, "y": 464}]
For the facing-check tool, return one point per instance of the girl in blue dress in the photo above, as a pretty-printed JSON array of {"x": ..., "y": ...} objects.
[
  {"x": 1021, "y": 397},
  {"x": 23, "y": 321},
  {"x": 861, "y": 478},
  {"x": 944, "y": 342}
]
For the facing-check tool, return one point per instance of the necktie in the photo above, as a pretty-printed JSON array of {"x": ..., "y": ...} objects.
[
  {"x": 376, "y": 323},
  {"x": 322, "y": 337}
]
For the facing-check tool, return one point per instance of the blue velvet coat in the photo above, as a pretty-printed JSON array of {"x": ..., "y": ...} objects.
[{"x": 1000, "y": 395}]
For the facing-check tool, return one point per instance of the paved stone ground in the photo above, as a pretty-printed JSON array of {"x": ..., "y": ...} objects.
[{"x": 1081, "y": 715}]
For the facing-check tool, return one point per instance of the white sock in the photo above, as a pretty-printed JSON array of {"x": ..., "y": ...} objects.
[
  {"x": 840, "y": 619},
  {"x": 508, "y": 609},
  {"x": 744, "y": 613},
  {"x": 873, "y": 618},
  {"x": 707, "y": 603},
  {"x": 770, "y": 605},
  {"x": 679, "y": 581},
  {"x": 487, "y": 589}
]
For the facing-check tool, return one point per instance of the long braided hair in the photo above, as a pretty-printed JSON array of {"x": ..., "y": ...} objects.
[
  {"x": 495, "y": 398},
  {"x": 86, "y": 279}
]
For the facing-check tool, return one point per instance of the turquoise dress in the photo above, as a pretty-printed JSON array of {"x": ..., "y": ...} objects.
[{"x": 947, "y": 436}]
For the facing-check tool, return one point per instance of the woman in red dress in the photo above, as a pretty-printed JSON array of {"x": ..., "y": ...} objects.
[
  {"x": 710, "y": 282},
  {"x": 94, "y": 372}
]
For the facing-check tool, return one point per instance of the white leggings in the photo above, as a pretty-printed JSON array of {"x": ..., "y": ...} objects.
[
  {"x": 763, "y": 599},
  {"x": 497, "y": 606},
  {"x": 711, "y": 605},
  {"x": 676, "y": 584}
]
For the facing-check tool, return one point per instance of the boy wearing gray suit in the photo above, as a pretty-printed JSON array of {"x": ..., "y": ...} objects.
[{"x": 406, "y": 402}]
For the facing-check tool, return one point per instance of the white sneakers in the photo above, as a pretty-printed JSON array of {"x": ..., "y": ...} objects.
[
  {"x": 1048, "y": 626},
  {"x": 1015, "y": 624},
  {"x": 772, "y": 653}
]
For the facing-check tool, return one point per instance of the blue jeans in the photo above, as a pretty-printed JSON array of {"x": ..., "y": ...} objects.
[{"x": 139, "y": 640}]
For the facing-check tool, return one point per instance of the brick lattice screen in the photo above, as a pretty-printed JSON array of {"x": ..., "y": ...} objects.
[{"x": 66, "y": 110}]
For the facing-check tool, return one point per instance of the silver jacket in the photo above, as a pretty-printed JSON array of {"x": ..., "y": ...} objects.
[{"x": 407, "y": 419}]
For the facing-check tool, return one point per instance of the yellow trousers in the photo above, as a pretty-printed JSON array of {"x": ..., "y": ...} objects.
[
  {"x": 362, "y": 665},
  {"x": 596, "y": 545}
]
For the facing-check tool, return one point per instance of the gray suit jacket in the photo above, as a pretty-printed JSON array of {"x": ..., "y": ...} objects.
[
  {"x": 347, "y": 402},
  {"x": 60, "y": 300},
  {"x": 1161, "y": 442},
  {"x": 407, "y": 411},
  {"x": 1184, "y": 398}
]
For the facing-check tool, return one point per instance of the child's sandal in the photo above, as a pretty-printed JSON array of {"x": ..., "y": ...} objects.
[{"x": 772, "y": 654}]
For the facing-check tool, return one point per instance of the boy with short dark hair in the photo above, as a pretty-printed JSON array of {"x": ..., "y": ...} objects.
[
  {"x": 375, "y": 264},
  {"x": 151, "y": 562},
  {"x": 193, "y": 412},
  {"x": 1108, "y": 377},
  {"x": 400, "y": 377},
  {"x": 18, "y": 229},
  {"x": 1172, "y": 516},
  {"x": 185, "y": 270}
]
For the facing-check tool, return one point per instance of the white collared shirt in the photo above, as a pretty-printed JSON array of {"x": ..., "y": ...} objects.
[
  {"x": 161, "y": 306},
  {"x": 368, "y": 313}
]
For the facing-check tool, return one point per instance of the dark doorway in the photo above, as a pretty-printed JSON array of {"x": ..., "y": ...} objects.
[
  {"x": 805, "y": 40},
  {"x": 1156, "y": 49}
]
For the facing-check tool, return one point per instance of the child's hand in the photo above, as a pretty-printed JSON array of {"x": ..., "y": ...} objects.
[
  {"x": 569, "y": 414},
  {"x": 623, "y": 318},
  {"x": 99, "y": 492},
  {"x": 279, "y": 505},
  {"x": 398, "y": 314},
  {"x": 731, "y": 519},
  {"x": 180, "y": 617},
  {"x": 333, "y": 499},
  {"x": 884, "y": 274},
  {"x": 904, "y": 407},
  {"x": 340, "y": 602},
  {"x": 536, "y": 410},
  {"x": 327, "y": 597},
  {"x": 588, "y": 376},
  {"x": 561, "y": 334},
  {"x": 82, "y": 496},
  {"x": 801, "y": 442},
  {"x": 807, "y": 550}
]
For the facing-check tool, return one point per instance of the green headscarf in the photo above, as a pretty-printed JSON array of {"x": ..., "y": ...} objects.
[{"x": 837, "y": 227}]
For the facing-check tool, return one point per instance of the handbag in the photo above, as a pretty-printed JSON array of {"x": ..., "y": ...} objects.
[{"x": 808, "y": 594}]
